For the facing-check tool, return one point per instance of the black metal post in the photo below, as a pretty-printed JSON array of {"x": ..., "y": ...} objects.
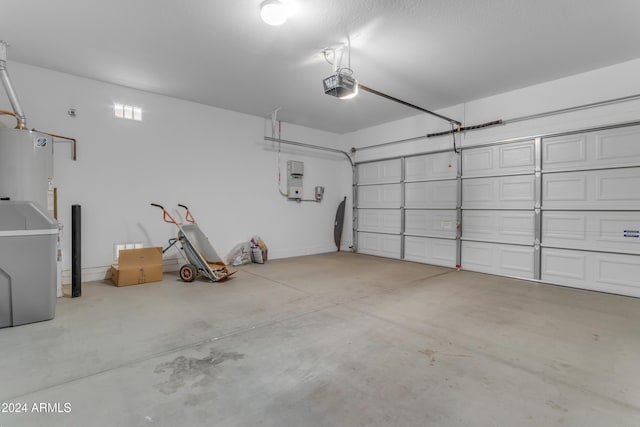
[{"x": 76, "y": 274}]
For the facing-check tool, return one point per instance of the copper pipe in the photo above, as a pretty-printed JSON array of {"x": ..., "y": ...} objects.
[
  {"x": 75, "y": 142},
  {"x": 9, "y": 113}
]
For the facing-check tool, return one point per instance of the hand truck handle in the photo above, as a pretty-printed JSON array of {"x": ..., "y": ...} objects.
[
  {"x": 188, "y": 217},
  {"x": 165, "y": 215}
]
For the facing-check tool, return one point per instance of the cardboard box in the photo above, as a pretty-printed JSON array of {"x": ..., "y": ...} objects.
[{"x": 136, "y": 266}]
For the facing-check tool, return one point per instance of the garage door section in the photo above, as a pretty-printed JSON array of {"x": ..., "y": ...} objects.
[
  {"x": 591, "y": 210},
  {"x": 499, "y": 199},
  {"x": 379, "y": 202},
  {"x": 430, "y": 209},
  {"x": 563, "y": 209},
  {"x": 407, "y": 208}
]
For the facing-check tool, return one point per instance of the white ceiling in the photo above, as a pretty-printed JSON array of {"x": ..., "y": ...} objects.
[{"x": 432, "y": 53}]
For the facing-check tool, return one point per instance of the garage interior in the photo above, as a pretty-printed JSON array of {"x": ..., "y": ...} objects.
[{"x": 488, "y": 157}]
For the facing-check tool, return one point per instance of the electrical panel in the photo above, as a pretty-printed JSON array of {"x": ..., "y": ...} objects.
[{"x": 295, "y": 171}]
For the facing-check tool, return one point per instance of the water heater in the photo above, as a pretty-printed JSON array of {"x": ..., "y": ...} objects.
[{"x": 26, "y": 167}]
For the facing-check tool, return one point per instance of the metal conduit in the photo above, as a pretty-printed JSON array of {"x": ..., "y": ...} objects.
[
  {"x": 354, "y": 177},
  {"x": 509, "y": 141},
  {"x": 512, "y": 120},
  {"x": 314, "y": 147},
  {"x": 572, "y": 109},
  {"x": 8, "y": 87}
]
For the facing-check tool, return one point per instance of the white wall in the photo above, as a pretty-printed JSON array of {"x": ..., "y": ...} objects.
[
  {"x": 606, "y": 83},
  {"x": 213, "y": 160}
]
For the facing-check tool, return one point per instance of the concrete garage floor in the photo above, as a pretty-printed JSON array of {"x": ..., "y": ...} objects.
[{"x": 329, "y": 340}]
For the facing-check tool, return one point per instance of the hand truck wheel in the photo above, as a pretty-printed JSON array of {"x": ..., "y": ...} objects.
[{"x": 188, "y": 272}]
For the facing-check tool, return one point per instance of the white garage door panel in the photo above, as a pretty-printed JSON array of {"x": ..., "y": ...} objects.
[
  {"x": 379, "y": 244},
  {"x": 431, "y": 195},
  {"x": 381, "y": 221},
  {"x": 605, "y": 231},
  {"x": 592, "y": 270},
  {"x": 504, "y": 260},
  {"x": 380, "y": 172},
  {"x": 440, "y": 223},
  {"x": 614, "y": 147},
  {"x": 509, "y": 192},
  {"x": 615, "y": 189},
  {"x": 379, "y": 196},
  {"x": 515, "y": 227},
  {"x": 433, "y": 166},
  {"x": 502, "y": 159},
  {"x": 430, "y": 251}
]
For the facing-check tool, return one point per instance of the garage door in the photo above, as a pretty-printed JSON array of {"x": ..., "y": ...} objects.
[
  {"x": 407, "y": 208},
  {"x": 499, "y": 197},
  {"x": 562, "y": 209},
  {"x": 591, "y": 210},
  {"x": 379, "y": 202},
  {"x": 430, "y": 209}
]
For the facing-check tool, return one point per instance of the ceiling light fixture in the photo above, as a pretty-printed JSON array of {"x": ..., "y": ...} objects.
[{"x": 273, "y": 12}]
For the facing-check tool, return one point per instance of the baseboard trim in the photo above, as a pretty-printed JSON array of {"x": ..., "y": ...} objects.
[{"x": 91, "y": 274}]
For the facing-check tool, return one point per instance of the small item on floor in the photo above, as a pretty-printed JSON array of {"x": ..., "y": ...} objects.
[
  {"x": 259, "y": 250},
  {"x": 137, "y": 266},
  {"x": 240, "y": 254}
]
